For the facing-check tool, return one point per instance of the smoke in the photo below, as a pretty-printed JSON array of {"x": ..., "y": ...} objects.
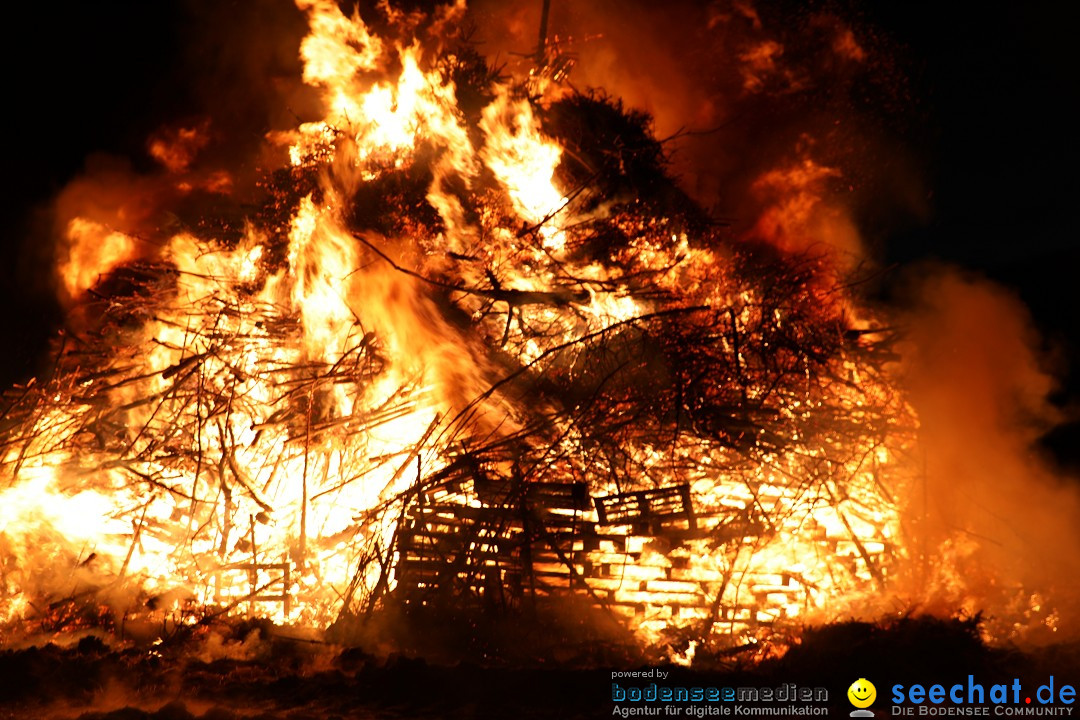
[
  {"x": 786, "y": 122},
  {"x": 994, "y": 522},
  {"x": 239, "y": 64}
]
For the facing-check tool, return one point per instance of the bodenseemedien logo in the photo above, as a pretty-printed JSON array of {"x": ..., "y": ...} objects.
[
  {"x": 862, "y": 694},
  {"x": 661, "y": 695}
]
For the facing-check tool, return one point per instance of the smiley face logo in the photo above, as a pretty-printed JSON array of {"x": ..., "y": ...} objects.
[{"x": 862, "y": 693}]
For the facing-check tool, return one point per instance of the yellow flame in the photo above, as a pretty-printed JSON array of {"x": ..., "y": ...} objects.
[
  {"x": 524, "y": 162},
  {"x": 93, "y": 251}
]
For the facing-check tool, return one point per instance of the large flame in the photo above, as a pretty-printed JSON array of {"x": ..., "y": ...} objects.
[{"x": 265, "y": 416}]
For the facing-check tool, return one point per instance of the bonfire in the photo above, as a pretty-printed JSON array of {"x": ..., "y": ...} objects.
[{"x": 464, "y": 351}]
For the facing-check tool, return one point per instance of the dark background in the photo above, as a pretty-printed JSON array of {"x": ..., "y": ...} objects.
[
  {"x": 995, "y": 137},
  {"x": 1002, "y": 156}
]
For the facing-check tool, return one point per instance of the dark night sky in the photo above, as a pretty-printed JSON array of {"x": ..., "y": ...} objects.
[
  {"x": 998, "y": 139},
  {"x": 80, "y": 78}
]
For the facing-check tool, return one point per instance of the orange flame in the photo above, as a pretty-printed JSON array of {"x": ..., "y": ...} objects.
[{"x": 93, "y": 251}]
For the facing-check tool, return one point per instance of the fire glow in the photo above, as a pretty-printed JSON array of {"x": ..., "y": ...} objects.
[{"x": 539, "y": 393}]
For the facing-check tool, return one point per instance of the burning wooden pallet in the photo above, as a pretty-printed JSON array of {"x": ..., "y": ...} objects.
[
  {"x": 499, "y": 546},
  {"x": 488, "y": 544},
  {"x": 487, "y": 541},
  {"x": 648, "y": 511}
]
